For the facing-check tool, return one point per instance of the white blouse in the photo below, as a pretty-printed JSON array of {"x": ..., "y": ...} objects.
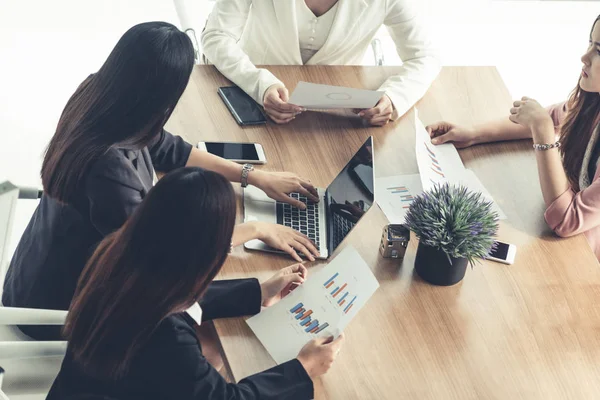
[{"x": 312, "y": 30}]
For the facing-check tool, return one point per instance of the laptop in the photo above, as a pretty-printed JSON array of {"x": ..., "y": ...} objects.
[{"x": 328, "y": 222}]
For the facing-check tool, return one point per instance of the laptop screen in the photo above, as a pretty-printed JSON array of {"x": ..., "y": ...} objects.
[{"x": 350, "y": 195}]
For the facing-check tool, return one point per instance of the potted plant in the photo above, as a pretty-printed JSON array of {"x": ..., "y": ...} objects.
[{"x": 455, "y": 227}]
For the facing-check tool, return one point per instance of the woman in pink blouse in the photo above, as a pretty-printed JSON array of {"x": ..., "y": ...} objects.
[{"x": 568, "y": 167}]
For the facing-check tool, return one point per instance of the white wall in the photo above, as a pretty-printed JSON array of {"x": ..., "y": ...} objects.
[{"x": 47, "y": 47}]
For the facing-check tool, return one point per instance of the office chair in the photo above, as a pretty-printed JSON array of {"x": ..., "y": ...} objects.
[{"x": 31, "y": 366}]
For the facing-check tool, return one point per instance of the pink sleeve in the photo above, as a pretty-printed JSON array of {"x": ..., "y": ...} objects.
[
  {"x": 573, "y": 213},
  {"x": 557, "y": 112}
]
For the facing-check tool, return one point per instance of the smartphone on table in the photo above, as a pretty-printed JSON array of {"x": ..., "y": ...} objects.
[
  {"x": 242, "y": 107},
  {"x": 244, "y": 153},
  {"x": 503, "y": 252}
]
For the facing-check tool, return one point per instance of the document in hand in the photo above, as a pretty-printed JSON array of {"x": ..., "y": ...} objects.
[
  {"x": 322, "y": 306},
  {"x": 323, "y": 97}
]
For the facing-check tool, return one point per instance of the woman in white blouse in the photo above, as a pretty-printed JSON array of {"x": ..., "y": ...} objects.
[{"x": 240, "y": 34}]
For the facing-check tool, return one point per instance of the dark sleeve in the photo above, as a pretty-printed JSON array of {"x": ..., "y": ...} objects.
[
  {"x": 111, "y": 202},
  {"x": 231, "y": 298},
  {"x": 169, "y": 152},
  {"x": 185, "y": 374}
]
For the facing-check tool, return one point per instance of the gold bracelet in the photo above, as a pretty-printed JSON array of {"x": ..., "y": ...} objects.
[{"x": 546, "y": 146}]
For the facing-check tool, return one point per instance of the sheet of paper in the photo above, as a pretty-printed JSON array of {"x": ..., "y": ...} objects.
[
  {"x": 441, "y": 163},
  {"x": 470, "y": 180},
  {"x": 394, "y": 194},
  {"x": 437, "y": 164},
  {"x": 322, "y": 306},
  {"x": 322, "y": 97}
]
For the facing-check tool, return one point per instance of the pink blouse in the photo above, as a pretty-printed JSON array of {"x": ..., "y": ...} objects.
[{"x": 573, "y": 213}]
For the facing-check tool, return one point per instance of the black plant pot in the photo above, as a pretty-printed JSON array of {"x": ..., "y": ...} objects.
[{"x": 433, "y": 265}]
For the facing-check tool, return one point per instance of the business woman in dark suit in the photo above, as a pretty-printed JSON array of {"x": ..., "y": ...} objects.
[
  {"x": 129, "y": 333},
  {"x": 100, "y": 164}
]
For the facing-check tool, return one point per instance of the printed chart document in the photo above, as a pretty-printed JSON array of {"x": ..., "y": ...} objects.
[
  {"x": 394, "y": 194},
  {"x": 441, "y": 163},
  {"x": 322, "y": 306},
  {"x": 322, "y": 97},
  {"x": 437, "y": 164}
]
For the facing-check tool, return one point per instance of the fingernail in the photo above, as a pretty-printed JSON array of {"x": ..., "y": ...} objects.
[{"x": 434, "y": 141}]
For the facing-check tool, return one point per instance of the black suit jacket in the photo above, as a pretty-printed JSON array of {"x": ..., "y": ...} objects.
[
  {"x": 171, "y": 365},
  {"x": 60, "y": 238}
]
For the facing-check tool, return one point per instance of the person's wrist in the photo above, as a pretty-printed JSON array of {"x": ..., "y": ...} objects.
[
  {"x": 263, "y": 294},
  {"x": 542, "y": 132},
  {"x": 305, "y": 365},
  {"x": 257, "y": 231},
  {"x": 255, "y": 177}
]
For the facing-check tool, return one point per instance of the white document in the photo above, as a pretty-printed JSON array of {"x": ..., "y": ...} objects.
[
  {"x": 322, "y": 306},
  {"x": 394, "y": 194},
  {"x": 441, "y": 163},
  {"x": 323, "y": 97},
  {"x": 470, "y": 180},
  {"x": 437, "y": 164}
]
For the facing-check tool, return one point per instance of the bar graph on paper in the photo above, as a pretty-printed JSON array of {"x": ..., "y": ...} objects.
[
  {"x": 403, "y": 194},
  {"x": 304, "y": 315},
  {"x": 337, "y": 290}
]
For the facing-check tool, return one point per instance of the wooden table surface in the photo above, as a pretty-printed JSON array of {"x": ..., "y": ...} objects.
[{"x": 525, "y": 331}]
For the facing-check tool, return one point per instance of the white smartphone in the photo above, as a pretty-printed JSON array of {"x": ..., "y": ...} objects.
[
  {"x": 504, "y": 253},
  {"x": 251, "y": 153}
]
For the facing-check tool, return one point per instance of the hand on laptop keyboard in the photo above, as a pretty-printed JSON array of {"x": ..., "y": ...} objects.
[
  {"x": 277, "y": 185},
  {"x": 287, "y": 239}
]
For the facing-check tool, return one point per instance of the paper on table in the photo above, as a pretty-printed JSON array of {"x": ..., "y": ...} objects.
[
  {"x": 323, "y": 97},
  {"x": 470, "y": 180},
  {"x": 322, "y": 306},
  {"x": 441, "y": 163},
  {"x": 437, "y": 164},
  {"x": 394, "y": 194}
]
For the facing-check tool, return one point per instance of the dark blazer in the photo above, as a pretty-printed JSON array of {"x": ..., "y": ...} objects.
[
  {"x": 171, "y": 365},
  {"x": 60, "y": 238}
]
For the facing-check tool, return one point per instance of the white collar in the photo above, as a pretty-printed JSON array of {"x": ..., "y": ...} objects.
[{"x": 195, "y": 312}]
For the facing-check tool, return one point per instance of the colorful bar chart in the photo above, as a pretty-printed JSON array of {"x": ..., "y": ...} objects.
[
  {"x": 305, "y": 319},
  {"x": 435, "y": 165},
  {"x": 402, "y": 191},
  {"x": 349, "y": 306},
  {"x": 337, "y": 293}
]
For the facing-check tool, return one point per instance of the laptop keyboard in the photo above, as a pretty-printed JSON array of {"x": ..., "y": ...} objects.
[
  {"x": 341, "y": 227},
  {"x": 304, "y": 221}
]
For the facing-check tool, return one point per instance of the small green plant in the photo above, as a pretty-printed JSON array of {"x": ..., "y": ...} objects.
[{"x": 455, "y": 220}]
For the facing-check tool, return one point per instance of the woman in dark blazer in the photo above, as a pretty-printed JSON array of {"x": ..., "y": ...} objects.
[
  {"x": 100, "y": 165},
  {"x": 130, "y": 336}
]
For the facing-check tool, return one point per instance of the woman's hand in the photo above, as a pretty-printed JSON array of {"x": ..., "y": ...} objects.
[
  {"x": 445, "y": 132},
  {"x": 530, "y": 114},
  {"x": 286, "y": 239},
  {"x": 380, "y": 114},
  {"x": 282, "y": 283},
  {"x": 275, "y": 102},
  {"x": 278, "y": 186},
  {"x": 318, "y": 355}
]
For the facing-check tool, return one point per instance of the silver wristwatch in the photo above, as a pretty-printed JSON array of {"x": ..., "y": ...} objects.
[{"x": 246, "y": 168}]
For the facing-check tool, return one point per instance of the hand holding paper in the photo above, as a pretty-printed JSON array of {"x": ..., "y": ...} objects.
[
  {"x": 321, "y": 307},
  {"x": 324, "y": 97}
]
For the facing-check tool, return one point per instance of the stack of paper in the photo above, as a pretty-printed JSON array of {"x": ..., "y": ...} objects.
[{"x": 321, "y": 307}]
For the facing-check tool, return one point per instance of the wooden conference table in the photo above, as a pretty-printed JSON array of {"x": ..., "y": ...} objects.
[{"x": 525, "y": 331}]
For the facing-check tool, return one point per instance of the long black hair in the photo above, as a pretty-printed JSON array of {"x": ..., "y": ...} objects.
[
  {"x": 125, "y": 103},
  {"x": 160, "y": 262}
]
